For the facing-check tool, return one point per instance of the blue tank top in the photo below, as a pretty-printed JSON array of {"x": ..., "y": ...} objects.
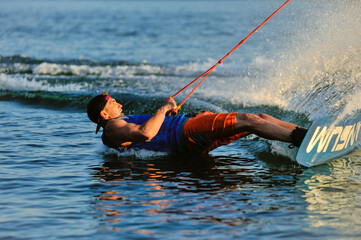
[{"x": 170, "y": 137}]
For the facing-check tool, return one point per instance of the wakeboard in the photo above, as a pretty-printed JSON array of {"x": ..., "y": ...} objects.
[{"x": 329, "y": 138}]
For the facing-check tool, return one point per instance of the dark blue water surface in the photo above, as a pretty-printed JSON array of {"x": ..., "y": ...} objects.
[{"x": 57, "y": 181}]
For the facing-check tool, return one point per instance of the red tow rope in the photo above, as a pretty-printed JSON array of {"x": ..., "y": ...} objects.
[{"x": 206, "y": 73}]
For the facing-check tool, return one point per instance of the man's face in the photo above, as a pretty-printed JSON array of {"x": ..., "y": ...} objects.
[{"x": 112, "y": 109}]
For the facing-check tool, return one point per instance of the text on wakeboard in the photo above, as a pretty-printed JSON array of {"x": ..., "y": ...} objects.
[{"x": 345, "y": 136}]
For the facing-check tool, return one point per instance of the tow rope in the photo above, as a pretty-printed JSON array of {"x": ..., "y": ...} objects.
[{"x": 206, "y": 73}]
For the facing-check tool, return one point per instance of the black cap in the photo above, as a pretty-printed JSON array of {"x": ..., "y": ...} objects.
[{"x": 95, "y": 106}]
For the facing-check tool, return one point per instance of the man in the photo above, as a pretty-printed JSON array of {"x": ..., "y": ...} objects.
[{"x": 182, "y": 133}]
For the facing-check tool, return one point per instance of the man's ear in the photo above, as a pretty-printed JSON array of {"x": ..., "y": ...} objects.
[{"x": 104, "y": 115}]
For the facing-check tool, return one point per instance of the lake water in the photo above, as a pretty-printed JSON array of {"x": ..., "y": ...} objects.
[{"x": 57, "y": 181}]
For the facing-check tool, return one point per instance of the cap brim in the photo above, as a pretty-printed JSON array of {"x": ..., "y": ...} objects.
[{"x": 98, "y": 128}]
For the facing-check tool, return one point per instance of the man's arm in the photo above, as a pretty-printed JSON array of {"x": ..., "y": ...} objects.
[{"x": 122, "y": 133}]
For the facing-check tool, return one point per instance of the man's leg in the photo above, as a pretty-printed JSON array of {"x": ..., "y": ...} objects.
[
  {"x": 207, "y": 130},
  {"x": 265, "y": 126},
  {"x": 268, "y": 118}
]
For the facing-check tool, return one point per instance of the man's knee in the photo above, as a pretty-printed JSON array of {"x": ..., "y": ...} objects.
[
  {"x": 248, "y": 121},
  {"x": 264, "y": 116}
]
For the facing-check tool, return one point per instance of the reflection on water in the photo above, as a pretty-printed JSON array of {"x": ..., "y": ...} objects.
[
  {"x": 200, "y": 193},
  {"x": 333, "y": 195},
  {"x": 191, "y": 195}
]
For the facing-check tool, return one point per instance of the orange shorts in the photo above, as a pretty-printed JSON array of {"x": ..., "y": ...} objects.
[{"x": 208, "y": 131}]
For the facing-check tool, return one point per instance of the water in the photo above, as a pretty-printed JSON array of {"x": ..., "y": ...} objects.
[{"x": 58, "y": 181}]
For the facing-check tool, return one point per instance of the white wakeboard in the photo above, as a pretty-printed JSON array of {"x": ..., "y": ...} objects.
[{"x": 329, "y": 138}]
